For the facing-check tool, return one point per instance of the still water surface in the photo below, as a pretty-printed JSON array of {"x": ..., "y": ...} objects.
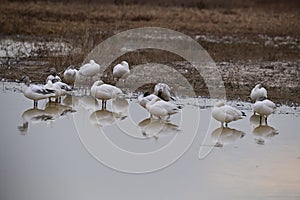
[{"x": 49, "y": 158}]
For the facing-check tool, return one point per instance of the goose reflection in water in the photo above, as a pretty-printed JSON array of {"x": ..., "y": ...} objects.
[
  {"x": 89, "y": 103},
  {"x": 225, "y": 135},
  {"x": 70, "y": 100},
  {"x": 120, "y": 107},
  {"x": 57, "y": 110},
  {"x": 50, "y": 113},
  {"x": 33, "y": 115},
  {"x": 154, "y": 128},
  {"x": 255, "y": 120},
  {"x": 102, "y": 118},
  {"x": 263, "y": 132}
]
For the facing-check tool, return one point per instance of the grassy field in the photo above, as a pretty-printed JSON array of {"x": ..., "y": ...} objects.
[{"x": 71, "y": 19}]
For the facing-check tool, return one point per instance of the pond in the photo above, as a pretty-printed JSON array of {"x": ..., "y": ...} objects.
[{"x": 58, "y": 151}]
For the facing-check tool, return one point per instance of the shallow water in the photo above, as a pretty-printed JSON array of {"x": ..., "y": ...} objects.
[{"x": 57, "y": 155}]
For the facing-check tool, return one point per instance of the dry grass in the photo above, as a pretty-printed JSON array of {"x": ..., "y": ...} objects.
[{"x": 69, "y": 20}]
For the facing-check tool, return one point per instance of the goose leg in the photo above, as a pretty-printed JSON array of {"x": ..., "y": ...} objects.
[
  {"x": 35, "y": 104},
  {"x": 168, "y": 118},
  {"x": 266, "y": 120},
  {"x": 260, "y": 119},
  {"x": 102, "y": 104}
]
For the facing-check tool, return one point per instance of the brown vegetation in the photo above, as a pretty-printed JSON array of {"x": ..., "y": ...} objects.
[{"x": 86, "y": 24}]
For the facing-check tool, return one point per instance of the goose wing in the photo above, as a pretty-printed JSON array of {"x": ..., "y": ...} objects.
[{"x": 40, "y": 90}]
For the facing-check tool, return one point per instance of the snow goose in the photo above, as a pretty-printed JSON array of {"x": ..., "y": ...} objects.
[
  {"x": 224, "y": 113},
  {"x": 264, "y": 107},
  {"x": 257, "y": 92},
  {"x": 65, "y": 88},
  {"x": 121, "y": 70},
  {"x": 89, "y": 69},
  {"x": 53, "y": 76},
  {"x": 35, "y": 92},
  {"x": 163, "y": 91},
  {"x": 160, "y": 108},
  {"x": 70, "y": 75},
  {"x": 55, "y": 88},
  {"x": 104, "y": 92},
  {"x": 143, "y": 99}
]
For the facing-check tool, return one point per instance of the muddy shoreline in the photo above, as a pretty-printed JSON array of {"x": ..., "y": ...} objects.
[{"x": 249, "y": 44}]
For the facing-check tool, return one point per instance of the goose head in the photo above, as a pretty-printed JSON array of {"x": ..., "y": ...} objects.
[
  {"x": 258, "y": 86},
  {"x": 26, "y": 80},
  {"x": 92, "y": 62},
  {"x": 71, "y": 67},
  {"x": 124, "y": 63},
  {"x": 53, "y": 71}
]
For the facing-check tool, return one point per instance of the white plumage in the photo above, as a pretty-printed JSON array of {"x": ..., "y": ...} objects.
[
  {"x": 143, "y": 99},
  {"x": 105, "y": 92},
  {"x": 160, "y": 108},
  {"x": 53, "y": 87},
  {"x": 65, "y": 88},
  {"x": 264, "y": 108},
  {"x": 224, "y": 113},
  {"x": 70, "y": 75},
  {"x": 53, "y": 77},
  {"x": 121, "y": 70},
  {"x": 89, "y": 69},
  {"x": 35, "y": 92},
  {"x": 257, "y": 92},
  {"x": 163, "y": 91}
]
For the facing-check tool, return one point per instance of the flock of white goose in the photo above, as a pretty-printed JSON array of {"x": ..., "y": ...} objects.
[{"x": 160, "y": 104}]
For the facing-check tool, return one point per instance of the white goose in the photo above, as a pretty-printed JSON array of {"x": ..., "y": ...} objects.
[
  {"x": 53, "y": 77},
  {"x": 224, "y": 113},
  {"x": 160, "y": 108},
  {"x": 55, "y": 88},
  {"x": 163, "y": 91},
  {"x": 143, "y": 99},
  {"x": 104, "y": 92},
  {"x": 70, "y": 75},
  {"x": 264, "y": 108},
  {"x": 121, "y": 70},
  {"x": 257, "y": 92},
  {"x": 89, "y": 69},
  {"x": 65, "y": 88},
  {"x": 35, "y": 92}
]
